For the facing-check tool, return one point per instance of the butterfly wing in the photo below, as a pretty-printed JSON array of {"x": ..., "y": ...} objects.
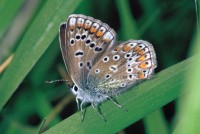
[
  {"x": 83, "y": 40},
  {"x": 122, "y": 66}
]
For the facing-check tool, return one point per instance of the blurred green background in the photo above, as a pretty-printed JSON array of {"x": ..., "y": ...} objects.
[{"x": 29, "y": 31}]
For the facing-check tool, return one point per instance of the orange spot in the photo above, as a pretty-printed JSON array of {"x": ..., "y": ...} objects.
[
  {"x": 126, "y": 48},
  {"x": 106, "y": 40},
  {"x": 136, "y": 48},
  {"x": 92, "y": 30},
  {"x": 143, "y": 65},
  {"x": 117, "y": 48},
  {"x": 141, "y": 75},
  {"x": 141, "y": 58},
  {"x": 87, "y": 26},
  {"x": 80, "y": 24},
  {"x": 141, "y": 52},
  {"x": 71, "y": 27},
  {"x": 99, "y": 33}
]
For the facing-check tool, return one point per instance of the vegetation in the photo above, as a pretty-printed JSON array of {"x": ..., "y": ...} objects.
[{"x": 30, "y": 55}]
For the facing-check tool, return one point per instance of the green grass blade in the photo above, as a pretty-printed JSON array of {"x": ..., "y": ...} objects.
[
  {"x": 128, "y": 24},
  {"x": 141, "y": 100},
  {"x": 155, "y": 123},
  {"x": 189, "y": 105},
  {"x": 8, "y": 10},
  {"x": 34, "y": 43}
]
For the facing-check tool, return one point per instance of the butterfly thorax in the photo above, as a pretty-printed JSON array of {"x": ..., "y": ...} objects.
[{"x": 88, "y": 95}]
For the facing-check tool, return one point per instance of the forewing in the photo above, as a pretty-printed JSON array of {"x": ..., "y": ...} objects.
[{"x": 83, "y": 40}]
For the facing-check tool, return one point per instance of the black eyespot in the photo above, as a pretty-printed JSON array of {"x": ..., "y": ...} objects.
[
  {"x": 72, "y": 41},
  {"x": 92, "y": 45},
  {"x": 97, "y": 49},
  {"x": 79, "y": 53},
  {"x": 123, "y": 85},
  {"x": 107, "y": 76},
  {"x": 78, "y": 37},
  {"x": 129, "y": 70},
  {"x": 87, "y": 41},
  {"x": 130, "y": 76},
  {"x": 116, "y": 57},
  {"x": 97, "y": 70},
  {"x": 113, "y": 68},
  {"x": 127, "y": 55},
  {"x": 83, "y": 37},
  {"x": 100, "y": 49},
  {"x": 81, "y": 64},
  {"x": 88, "y": 64},
  {"x": 140, "y": 46},
  {"x": 112, "y": 79}
]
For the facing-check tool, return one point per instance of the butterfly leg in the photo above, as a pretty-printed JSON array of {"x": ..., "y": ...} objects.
[
  {"x": 117, "y": 104},
  {"x": 80, "y": 108},
  {"x": 96, "y": 108},
  {"x": 77, "y": 102},
  {"x": 82, "y": 111}
]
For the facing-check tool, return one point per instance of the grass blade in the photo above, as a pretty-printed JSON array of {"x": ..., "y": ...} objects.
[
  {"x": 188, "y": 106},
  {"x": 141, "y": 100},
  {"x": 34, "y": 43}
]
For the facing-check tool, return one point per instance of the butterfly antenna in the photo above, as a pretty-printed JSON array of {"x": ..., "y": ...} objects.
[
  {"x": 98, "y": 111},
  {"x": 116, "y": 103},
  {"x": 52, "y": 81}
]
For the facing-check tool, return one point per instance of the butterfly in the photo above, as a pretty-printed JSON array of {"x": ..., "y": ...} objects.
[{"x": 100, "y": 67}]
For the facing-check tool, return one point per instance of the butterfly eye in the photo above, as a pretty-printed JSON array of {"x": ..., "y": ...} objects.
[{"x": 74, "y": 89}]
